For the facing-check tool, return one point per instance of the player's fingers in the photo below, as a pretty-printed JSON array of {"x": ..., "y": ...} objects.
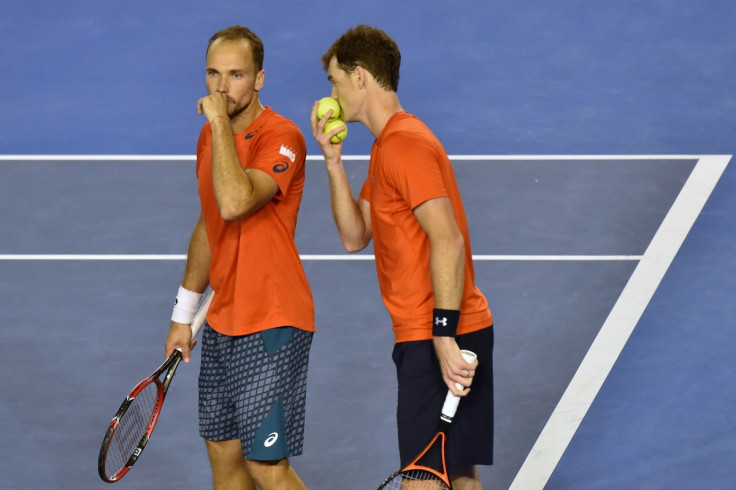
[
  {"x": 170, "y": 346},
  {"x": 465, "y": 380},
  {"x": 336, "y": 130},
  {"x": 458, "y": 385},
  {"x": 319, "y": 128},
  {"x": 457, "y": 391},
  {"x": 185, "y": 353},
  {"x": 462, "y": 377},
  {"x": 469, "y": 370},
  {"x": 186, "y": 347},
  {"x": 313, "y": 116},
  {"x": 315, "y": 120},
  {"x": 179, "y": 338}
]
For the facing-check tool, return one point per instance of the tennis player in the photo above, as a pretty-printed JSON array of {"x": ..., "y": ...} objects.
[
  {"x": 256, "y": 342},
  {"x": 410, "y": 206}
]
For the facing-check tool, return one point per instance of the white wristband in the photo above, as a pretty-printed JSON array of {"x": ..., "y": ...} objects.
[{"x": 185, "y": 306}]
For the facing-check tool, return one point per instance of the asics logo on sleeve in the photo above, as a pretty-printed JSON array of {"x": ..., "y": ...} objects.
[{"x": 288, "y": 153}]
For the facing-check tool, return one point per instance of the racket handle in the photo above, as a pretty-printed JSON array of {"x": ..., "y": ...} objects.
[
  {"x": 201, "y": 314},
  {"x": 452, "y": 401}
]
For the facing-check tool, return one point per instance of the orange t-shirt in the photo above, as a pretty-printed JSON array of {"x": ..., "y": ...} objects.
[
  {"x": 256, "y": 272},
  {"x": 409, "y": 166}
]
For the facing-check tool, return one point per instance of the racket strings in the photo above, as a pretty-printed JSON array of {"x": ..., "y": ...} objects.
[
  {"x": 131, "y": 428},
  {"x": 415, "y": 480}
]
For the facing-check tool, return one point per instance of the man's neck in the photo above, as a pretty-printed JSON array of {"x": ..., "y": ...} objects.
[
  {"x": 382, "y": 108},
  {"x": 245, "y": 118}
]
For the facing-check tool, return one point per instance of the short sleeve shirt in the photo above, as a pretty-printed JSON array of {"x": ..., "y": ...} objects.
[
  {"x": 256, "y": 272},
  {"x": 408, "y": 167}
]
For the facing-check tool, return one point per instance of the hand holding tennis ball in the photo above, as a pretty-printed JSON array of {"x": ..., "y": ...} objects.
[
  {"x": 334, "y": 124},
  {"x": 326, "y": 104}
]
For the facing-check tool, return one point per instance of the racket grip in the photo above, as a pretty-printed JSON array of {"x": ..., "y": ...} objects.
[
  {"x": 201, "y": 314},
  {"x": 452, "y": 401}
]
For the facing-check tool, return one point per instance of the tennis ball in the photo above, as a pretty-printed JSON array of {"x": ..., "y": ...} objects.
[
  {"x": 327, "y": 103},
  {"x": 333, "y": 124}
]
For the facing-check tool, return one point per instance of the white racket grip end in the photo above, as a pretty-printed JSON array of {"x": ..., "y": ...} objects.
[
  {"x": 201, "y": 314},
  {"x": 452, "y": 401}
]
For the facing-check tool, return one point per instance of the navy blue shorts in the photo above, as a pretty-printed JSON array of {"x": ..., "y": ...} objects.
[
  {"x": 253, "y": 388},
  {"x": 422, "y": 392}
]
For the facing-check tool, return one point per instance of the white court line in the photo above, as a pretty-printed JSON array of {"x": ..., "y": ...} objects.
[
  {"x": 459, "y": 158},
  {"x": 90, "y": 257},
  {"x": 556, "y": 258},
  {"x": 616, "y": 330},
  {"x": 306, "y": 257},
  {"x": 96, "y": 158}
]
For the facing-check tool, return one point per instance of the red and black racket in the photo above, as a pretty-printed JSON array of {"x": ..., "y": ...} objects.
[
  {"x": 133, "y": 424},
  {"x": 428, "y": 470}
]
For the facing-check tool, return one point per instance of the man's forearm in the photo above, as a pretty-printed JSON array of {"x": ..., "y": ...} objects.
[
  {"x": 351, "y": 223},
  {"x": 197, "y": 270}
]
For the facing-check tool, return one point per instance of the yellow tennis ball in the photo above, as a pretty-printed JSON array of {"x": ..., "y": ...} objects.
[
  {"x": 327, "y": 103},
  {"x": 334, "y": 124}
]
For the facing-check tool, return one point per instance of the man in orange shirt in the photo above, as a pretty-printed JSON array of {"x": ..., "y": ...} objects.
[
  {"x": 255, "y": 344},
  {"x": 410, "y": 207}
]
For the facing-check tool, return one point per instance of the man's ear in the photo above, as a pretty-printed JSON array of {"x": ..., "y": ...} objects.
[
  {"x": 360, "y": 73},
  {"x": 260, "y": 78}
]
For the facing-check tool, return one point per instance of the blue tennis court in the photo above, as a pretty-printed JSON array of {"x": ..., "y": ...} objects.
[{"x": 592, "y": 144}]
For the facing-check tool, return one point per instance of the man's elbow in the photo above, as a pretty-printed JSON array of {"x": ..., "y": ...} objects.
[
  {"x": 228, "y": 216},
  {"x": 233, "y": 209},
  {"x": 452, "y": 244},
  {"x": 230, "y": 212},
  {"x": 354, "y": 245}
]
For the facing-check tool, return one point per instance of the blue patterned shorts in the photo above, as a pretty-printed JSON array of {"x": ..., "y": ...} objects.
[{"x": 254, "y": 388}]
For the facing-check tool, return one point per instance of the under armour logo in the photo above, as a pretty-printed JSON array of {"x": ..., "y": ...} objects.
[{"x": 440, "y": 321}]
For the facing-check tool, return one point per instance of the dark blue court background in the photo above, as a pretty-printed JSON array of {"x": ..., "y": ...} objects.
[{"x": 505, "y": 77}]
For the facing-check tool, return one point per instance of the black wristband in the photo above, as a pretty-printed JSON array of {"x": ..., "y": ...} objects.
[{"x": 444, "y": 322}]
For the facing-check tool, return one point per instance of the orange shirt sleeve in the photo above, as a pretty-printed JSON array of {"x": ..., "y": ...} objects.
[
  {"x": 276, "y": 153},
  {"x": 413, "y": 169}
]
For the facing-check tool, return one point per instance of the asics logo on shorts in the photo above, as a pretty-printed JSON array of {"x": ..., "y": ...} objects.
[{"x": 272, "y": 438}]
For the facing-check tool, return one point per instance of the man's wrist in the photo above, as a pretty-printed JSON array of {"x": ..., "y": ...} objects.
[
  {"x": 445, "y": 322},
  {"x": 185, "y": 306},
  {"x": 219, "y": 116}
]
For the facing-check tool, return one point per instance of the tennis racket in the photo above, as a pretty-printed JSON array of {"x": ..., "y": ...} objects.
[
  {"x": 130, "y": 429},
  {"x": 428, "y": 470}
]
